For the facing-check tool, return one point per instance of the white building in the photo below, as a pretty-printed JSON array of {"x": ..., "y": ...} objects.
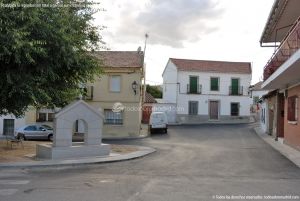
[
  {"x": 264, "y": 115},
  {"x": 260, "y": 105},
  {"x": 256, "y": 93},
  {"x": 9, "y": 123},
  {"x": 208, "y": 90}
]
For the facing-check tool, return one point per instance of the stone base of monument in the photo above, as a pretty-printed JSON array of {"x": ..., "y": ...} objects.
[{"x": 78, "y": 150}]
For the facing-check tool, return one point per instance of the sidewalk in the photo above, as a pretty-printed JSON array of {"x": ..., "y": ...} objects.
[
  {"x": 292, "y": 154},
  {"x": 113, "y": 157}
]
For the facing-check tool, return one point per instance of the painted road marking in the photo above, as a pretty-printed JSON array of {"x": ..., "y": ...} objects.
[
  {"x": 14, "y": 182},
  {"x": 6, "y": 192},
  {"x": 11, "y": 191}
]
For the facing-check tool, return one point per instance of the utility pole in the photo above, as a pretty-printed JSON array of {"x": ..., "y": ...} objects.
[{"x": 144, "y": 68}]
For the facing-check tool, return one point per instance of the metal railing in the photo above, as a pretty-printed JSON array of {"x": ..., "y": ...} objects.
[
  {"x": 289, "y": 45},
  {"x": 236, "y": 91},
  {"x": 193, "y": 90}
]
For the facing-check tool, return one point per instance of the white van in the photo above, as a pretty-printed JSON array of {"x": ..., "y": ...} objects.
[{"x": 158, "y": 121}]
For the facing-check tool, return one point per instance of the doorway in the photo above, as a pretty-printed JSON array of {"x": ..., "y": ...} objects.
[
  {"x": 8, "y": 126},
  {"x": 79, "y": 131},
  {"x": 280, "y": 115},
  {"x": 213, "y": 110}
]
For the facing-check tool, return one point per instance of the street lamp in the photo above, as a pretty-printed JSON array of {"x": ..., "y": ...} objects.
[{"x": 134, "y": 86}]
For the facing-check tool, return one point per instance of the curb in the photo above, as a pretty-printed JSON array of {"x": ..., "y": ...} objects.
[
  {"x": 126, "y": 138},
  {"x": 292, "y": 154},
  {"x": 142, "y": 151}
]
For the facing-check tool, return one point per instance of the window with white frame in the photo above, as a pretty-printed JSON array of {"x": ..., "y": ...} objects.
[
  {"x": 113, "y": 118},
  {"x": 193, "y": 107},
  {"x": 292, "y": 109},
  {"x": 115, "y": 83}
]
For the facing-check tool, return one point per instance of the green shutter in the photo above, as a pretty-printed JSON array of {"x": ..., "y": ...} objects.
[
  {"x": 214, "y": 84},
  {"x": 193, "y": 84},
  {"x": 235, "y": 86}
]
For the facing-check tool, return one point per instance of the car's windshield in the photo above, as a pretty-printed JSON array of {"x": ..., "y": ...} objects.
[{"x": 47, "y": 127}]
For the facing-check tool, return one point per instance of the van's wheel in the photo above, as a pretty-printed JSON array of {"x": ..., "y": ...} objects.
[
  {"x": 50, "y": 137},
  {"x": 166, "y": 130}
]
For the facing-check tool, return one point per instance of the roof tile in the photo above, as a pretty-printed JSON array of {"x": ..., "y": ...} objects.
[
  {"x": 149, "y": 98},
  {"x": 212, "y": 66},
  {"x": 119, "y": 59}
]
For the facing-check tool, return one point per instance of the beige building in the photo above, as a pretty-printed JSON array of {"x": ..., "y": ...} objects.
[{"x": 121, "y": 83}]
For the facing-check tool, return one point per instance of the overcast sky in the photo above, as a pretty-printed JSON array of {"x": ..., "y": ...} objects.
[{"x": 224, "y": 30}]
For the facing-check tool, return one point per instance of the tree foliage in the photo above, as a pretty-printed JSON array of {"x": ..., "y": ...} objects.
[
  {"x": 44, "y": 55},
  {"x": 154, "y": 91}
]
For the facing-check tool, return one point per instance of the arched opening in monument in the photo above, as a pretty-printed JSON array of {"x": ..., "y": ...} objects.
[{"x": 80, "y": 128}]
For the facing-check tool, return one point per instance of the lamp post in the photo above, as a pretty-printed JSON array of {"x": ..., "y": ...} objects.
[{"x": 134, "y": 86}]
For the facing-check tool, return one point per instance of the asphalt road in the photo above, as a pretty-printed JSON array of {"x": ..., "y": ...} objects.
[{"x": 207, "y": 162}]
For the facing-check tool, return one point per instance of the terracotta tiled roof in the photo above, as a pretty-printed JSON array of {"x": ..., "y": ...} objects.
[
  {"x": 212, "y": 66},
  {"x": 120, "y": 59},
  {"x": 149, "y": 98}
]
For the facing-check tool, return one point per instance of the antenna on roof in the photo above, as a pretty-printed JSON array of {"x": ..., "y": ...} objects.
[{"x": 146, "y": 37}]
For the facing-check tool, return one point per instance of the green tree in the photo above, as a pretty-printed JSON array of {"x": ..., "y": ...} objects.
[
  {"x": 44, "y": 54},
  {"x": 154, "y": 91}
]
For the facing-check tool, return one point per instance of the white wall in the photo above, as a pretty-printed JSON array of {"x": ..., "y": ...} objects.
[
  {"x": 204, "y": 80},
  {"x": 264, "y": 125},
  {"x": 18, "y": 122},
  {"x": 258, "y": 93},
  {"x": 224, "y": 101},
  {"x": 170, "y": 83},
  {"x": 222, "y": 95}
]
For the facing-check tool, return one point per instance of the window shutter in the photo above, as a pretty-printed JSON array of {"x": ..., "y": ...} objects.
[
  {"x": 214, "y": 84},
  {"x": 193, "y": 107},
  {"x": 234, "y": 86},
  {"x": 193, "y": 84}
]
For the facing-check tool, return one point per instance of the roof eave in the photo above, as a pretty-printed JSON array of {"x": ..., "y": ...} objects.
[
  {"x": 271, "y": 14},
  {"x": 244, "y": 73}
]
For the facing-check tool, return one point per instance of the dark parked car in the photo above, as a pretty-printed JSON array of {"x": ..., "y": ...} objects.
[{"x": 34, "y": 132}]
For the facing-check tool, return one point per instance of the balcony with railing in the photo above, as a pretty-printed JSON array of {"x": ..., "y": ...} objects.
[
  {"x": 235, "y": 90},
  {"x": 194, "y": 89},
  {"x": 289, "y": 45}
]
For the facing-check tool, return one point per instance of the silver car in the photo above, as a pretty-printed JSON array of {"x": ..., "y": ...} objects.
[{"x": 35, "y": 132}]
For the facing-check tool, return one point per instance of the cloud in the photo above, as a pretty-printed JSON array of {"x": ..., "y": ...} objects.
[{"x": 168, "y": 22}]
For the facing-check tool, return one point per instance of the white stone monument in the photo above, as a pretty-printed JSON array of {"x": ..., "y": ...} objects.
[{"x": 63, "y": 147}]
